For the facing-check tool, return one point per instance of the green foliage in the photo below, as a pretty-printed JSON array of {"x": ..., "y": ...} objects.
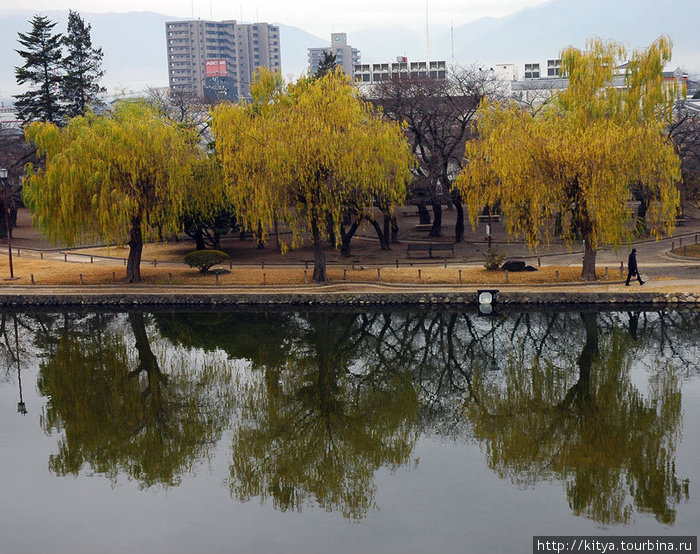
[
  {"x": 326, "y": 64},
  {"x": 41, "y": 54},
  {"x": 204, "y": 259},
  {"x": 80, "y": 87},
  {"x": 493, "y": 258}
]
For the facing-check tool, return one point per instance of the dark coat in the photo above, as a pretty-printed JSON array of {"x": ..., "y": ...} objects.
[{"x": 632, "y": 263}]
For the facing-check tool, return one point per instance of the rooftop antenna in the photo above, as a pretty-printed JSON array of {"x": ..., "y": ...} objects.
[{"x": 427, "y": 33}]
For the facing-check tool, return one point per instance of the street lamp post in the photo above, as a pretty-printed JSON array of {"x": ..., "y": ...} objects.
[{"x": 3, "y": 178}]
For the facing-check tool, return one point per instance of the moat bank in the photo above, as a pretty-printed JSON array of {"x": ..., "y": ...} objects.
[{"x": 347, "y": 295}]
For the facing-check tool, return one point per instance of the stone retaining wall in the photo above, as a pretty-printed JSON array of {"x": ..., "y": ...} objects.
[{"x": 343, "y": 298}]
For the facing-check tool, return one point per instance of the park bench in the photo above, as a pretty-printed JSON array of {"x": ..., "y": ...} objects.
[
  {"x": 431, "y": 248},
  {"x": 493, "y": 218},
  {"x": 423, "y": 227}
]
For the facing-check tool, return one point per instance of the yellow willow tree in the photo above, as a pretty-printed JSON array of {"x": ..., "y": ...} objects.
[
  {"x": 122, "y": 177},
  {"x": 577, "y": 159},
  {"x": 303, "y": 155}
]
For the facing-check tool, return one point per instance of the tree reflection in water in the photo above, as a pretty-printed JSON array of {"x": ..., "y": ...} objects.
[
  {"x": 612, "y": 446},
  {"x": 121, "y": 413},
  {"x": 330, "y": 398}
]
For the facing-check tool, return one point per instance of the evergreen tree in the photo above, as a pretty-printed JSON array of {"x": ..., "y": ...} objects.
[
  {"x": 326, "y": 64},
  {"x": 41, "y": 70},
  {"x": 80, "y": 88}
]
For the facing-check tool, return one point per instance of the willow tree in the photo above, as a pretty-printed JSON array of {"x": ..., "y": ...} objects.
[
  {"x": 301, "y": 155},
  {"x": 120, "y": 177},
  {"x": 577, "y": 160}
]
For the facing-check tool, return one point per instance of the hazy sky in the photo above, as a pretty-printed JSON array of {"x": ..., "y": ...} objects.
[{"x": 317, "y": 16}]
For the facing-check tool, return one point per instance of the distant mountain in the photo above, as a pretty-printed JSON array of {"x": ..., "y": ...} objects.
[{"x": 539, "y": 33}]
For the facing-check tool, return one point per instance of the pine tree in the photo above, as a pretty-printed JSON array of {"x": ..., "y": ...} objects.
[
  {"x": 80, "y": 88},
  {"x": 41, "y": 69},
  {"x": 326, "y": 64}
]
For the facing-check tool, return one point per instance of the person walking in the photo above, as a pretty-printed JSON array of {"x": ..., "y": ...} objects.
[{"x": 632, "y": 269}]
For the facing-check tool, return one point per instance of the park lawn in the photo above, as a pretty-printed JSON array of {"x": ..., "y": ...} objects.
[
  {"x": 690, "y": 251},
  {"x": 53, "y": 272}
]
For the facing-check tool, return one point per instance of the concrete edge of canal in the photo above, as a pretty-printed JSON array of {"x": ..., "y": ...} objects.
[{"x": 305, "y": 296}]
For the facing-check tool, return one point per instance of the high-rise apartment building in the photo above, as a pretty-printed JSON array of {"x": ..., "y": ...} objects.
[
  {"x": 216, "y": 59},
  {"x": 345, "y": 55}
]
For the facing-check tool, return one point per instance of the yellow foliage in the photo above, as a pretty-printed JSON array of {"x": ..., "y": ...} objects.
[
  {"x": 105, "y": 174},
  {"x": 580, "y": 155},
  {"x": 306, "y": 153}
]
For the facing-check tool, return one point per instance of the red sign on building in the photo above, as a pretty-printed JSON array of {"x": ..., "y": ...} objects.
[{"x": 215, "y": 68}]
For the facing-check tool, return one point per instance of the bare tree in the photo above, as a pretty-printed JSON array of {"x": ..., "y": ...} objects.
[{"x": 438, "y": 114}]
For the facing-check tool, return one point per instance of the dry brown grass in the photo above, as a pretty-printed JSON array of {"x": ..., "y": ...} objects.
[
  {"x": 51, "y": 272},
  {"x": 691, "y": 251}
]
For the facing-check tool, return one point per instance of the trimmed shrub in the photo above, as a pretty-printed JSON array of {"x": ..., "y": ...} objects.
[
  {"x": 493, "y": 258},
  {"x": 204, "y": 259}
]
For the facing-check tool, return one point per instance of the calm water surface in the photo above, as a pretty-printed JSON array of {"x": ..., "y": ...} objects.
[{"x": 404, "y": 431}]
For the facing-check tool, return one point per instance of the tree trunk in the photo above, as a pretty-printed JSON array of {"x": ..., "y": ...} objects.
[
  {"x": 259, "y": 237},
  {"x": 394, "y": 230},
  {"x": 278, "y": 244},
  {"x": 387, "y": 226},
  {"x": 588, "y": 272},
  {"x": 380, "y": 234},
  {"x": 199, "y": 239},
  {"x": 319, "y": 275},
  {"x": 436, "y": 230},
  {"x": 346, "y": 237},
  {"x": 640, "y": 225},
  {"x": 133, "y": 264},
  {"x": 423, "y": 214},
  {"x": 459, "y": 225}
]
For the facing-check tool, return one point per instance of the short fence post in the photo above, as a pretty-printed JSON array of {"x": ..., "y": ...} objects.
[
  {"x": 606, "y": 272},
  {"x": 264, "y": 278},
  {"x": 673, "y": 245},
  {"x": 397, "y": 261},
  {"x": 155, "y": 262},
  {"x": 262, "y": 264},
  {"x": 170, "y": 278},
  {"x": 32, "y": 277},
  {"x": 41, "y": 254},
  {"x": 622, "y": 270},
  {"x": 345, "y": 274},
  {"x": 19, "y": 253},
  {"x": 460, "y": 275},
  {"x": 506, "y": 275},
  {"x": 419, "y": 276},
  {"x": 81, "y": 279},
  {"x": 114, "y": 276},
  {"x": 91, "y": 260},
  {"x": 556, "y": 276},
  {"x": 539, "y": 261},
  {"x": 445, "y": 263},
  {"x": 379, "y": 274},
  {"x": 684, "y": 250},
  {"x": 65, "y": 257},
  {"x": 306, "y": 276}
]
